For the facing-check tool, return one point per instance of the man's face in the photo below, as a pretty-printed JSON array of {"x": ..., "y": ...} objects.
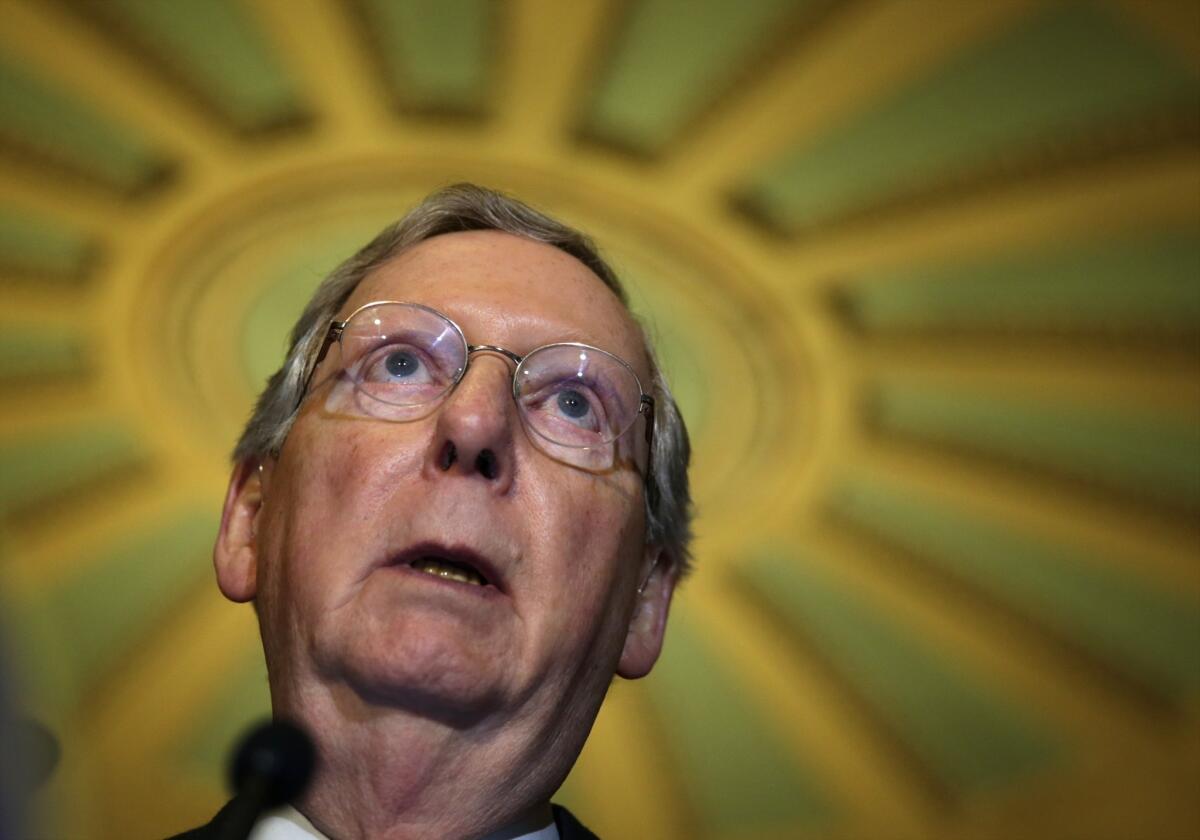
[{"x": 351, "y": 500}]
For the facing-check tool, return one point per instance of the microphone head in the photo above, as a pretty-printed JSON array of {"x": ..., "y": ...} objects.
[
  {"x": 37, "y": 748},
  {"x": 276, "y": 757}
]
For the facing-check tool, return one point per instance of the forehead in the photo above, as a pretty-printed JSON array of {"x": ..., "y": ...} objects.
[{"x": 507, "y": 290}]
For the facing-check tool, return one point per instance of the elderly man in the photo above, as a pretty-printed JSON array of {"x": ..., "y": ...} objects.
[{"x": 460, "y": 507}]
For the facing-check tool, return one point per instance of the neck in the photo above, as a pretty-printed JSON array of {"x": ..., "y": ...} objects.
[{"x": 388, "y": 773}]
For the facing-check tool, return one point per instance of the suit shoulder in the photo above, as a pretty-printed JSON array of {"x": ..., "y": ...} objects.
[
  {"x": 569, "y": 828},
  {"x": 208, "y": 831}
]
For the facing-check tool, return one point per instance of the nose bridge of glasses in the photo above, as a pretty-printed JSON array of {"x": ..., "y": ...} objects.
[
  {"x": 488, "y": 375},
  {"x": 472, "y": 349}
]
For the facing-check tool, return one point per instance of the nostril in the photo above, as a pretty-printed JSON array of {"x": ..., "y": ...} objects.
[
  {"x": 447, "y": 456},
  {"x": 487, "y": 464}
]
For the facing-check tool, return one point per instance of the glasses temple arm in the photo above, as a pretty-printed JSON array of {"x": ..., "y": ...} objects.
[
  {"x": 646, "y": 406},
  {"x": 332, "y": 335}
]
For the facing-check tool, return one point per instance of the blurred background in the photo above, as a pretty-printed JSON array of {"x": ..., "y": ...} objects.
[{"x": 926, "y": 276}]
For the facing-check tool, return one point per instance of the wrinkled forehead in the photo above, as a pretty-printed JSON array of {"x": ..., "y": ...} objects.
[{"x": 509, "y": 291}]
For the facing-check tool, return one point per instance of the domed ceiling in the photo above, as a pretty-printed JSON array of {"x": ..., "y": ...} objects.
[{"x": 925, "y": 274}]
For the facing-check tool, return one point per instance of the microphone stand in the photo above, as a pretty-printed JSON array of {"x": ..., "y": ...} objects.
[{"x": 272, "y": 766}]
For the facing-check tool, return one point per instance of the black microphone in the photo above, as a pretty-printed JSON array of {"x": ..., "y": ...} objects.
[
  {"x": 37, "y": 748},
  {"x": 28, "y": 757},
  {"x": 272, "y": 766}
]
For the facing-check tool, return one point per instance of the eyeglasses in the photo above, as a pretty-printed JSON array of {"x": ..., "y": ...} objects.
[{"x": 400, "y": 359}]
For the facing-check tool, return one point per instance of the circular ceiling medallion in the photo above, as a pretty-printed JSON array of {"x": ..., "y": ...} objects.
[{"x": 221, "y": 294}]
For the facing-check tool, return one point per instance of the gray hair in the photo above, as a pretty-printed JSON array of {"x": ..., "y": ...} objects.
[{"x": 465, "y": 207}]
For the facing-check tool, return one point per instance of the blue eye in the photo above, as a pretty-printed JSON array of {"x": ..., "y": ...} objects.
[
  {"x": 401, "y": 364},
  {"x": 573, "y": 404}
]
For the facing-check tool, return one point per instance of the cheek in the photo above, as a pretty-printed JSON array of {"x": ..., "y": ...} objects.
[
  {"x": 595, "y": 544},
  {"x": 329, "y": 494},
  {"x": 345, "y": 472}
]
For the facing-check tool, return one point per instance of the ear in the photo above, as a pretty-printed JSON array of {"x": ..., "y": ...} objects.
[
  {"x": 235, "y": 556},
  {"x": 643, "y": 641}
]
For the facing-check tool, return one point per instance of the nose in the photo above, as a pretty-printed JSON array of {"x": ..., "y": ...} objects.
[{"x": 474, "y": 430}]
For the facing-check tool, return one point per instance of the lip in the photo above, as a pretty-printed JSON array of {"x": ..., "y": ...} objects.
[{"x": 455, "y": 553}]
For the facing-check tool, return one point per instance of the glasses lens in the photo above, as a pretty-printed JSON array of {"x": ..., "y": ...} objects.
[
  {"x": 577, "y": 396},
  {"x": 402, "y": 354}
]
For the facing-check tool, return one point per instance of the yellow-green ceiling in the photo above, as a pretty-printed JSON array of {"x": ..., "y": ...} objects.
[{"x": 926, "y": 274}]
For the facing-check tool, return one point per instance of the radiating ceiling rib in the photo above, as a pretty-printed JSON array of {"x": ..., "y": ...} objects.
[
  {"x": 1088, "y": 368},
  {"x": 77, "y": 204},
  {"x": 959, "y": 730},
  {"x": 739, "y": 775},
  {"x": 242, "y": 703},
  {"x": 810, "y": 88},
  {"x": 27, "y": 411},
  {"x": 122, "y": 590},
  {"x": 796, "y": 693},
  {"x": 1171, "y": 22},
  {"x": 1141, "y": 283},
  {"x": 42, "y": 249},
  {"x": 672, "y": 60},
  {"x": 318, "y": 43},
  {"x": 437, "y": 57},
  {"x": 1114, "y": 196},
  {"x": 160, "y": 695},
  {"x": 40, "y": 352},
  {"x": 208, "y": 52},
  {"x": 33, "y": 301},
  {"x": 1090, "y": 714},
  {"x": 1114, "y": 534},
  {"x": 54, "y": 558},
  {"x": 52, "y": 131},
  {"x": 1135, "y": 635},
  {"x": 79, "y": 59},
  {"x": 64, "y": 472},
  {"x": 1149, "y": 458},
  {"x": 624, "y": 758},
  {"x": 1157, "y": 366},
  {"x": 1018, "y": 105},
  {"x": 548, "y": 56}
]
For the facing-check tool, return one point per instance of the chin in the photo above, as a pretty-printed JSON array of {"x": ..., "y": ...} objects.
[{"x": 426, "y": 672}]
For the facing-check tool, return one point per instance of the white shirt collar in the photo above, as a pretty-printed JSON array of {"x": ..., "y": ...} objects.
[{"x": 287, "y": 823}]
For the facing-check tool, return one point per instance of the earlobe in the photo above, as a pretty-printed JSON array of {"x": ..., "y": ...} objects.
[
  {"x": 235, "y": 555},
  {"x": 648, "y": 624}
]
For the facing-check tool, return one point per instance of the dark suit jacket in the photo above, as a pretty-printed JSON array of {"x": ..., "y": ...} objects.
[{"x": 569, "y": 828}]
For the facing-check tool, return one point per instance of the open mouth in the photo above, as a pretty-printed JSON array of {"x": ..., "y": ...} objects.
[
  {"x": 455, "y": 564},
  {"x": 449, "y": 569}
]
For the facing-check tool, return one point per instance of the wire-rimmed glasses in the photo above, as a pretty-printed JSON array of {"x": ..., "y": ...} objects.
[{"x": 403, "y": 358}]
